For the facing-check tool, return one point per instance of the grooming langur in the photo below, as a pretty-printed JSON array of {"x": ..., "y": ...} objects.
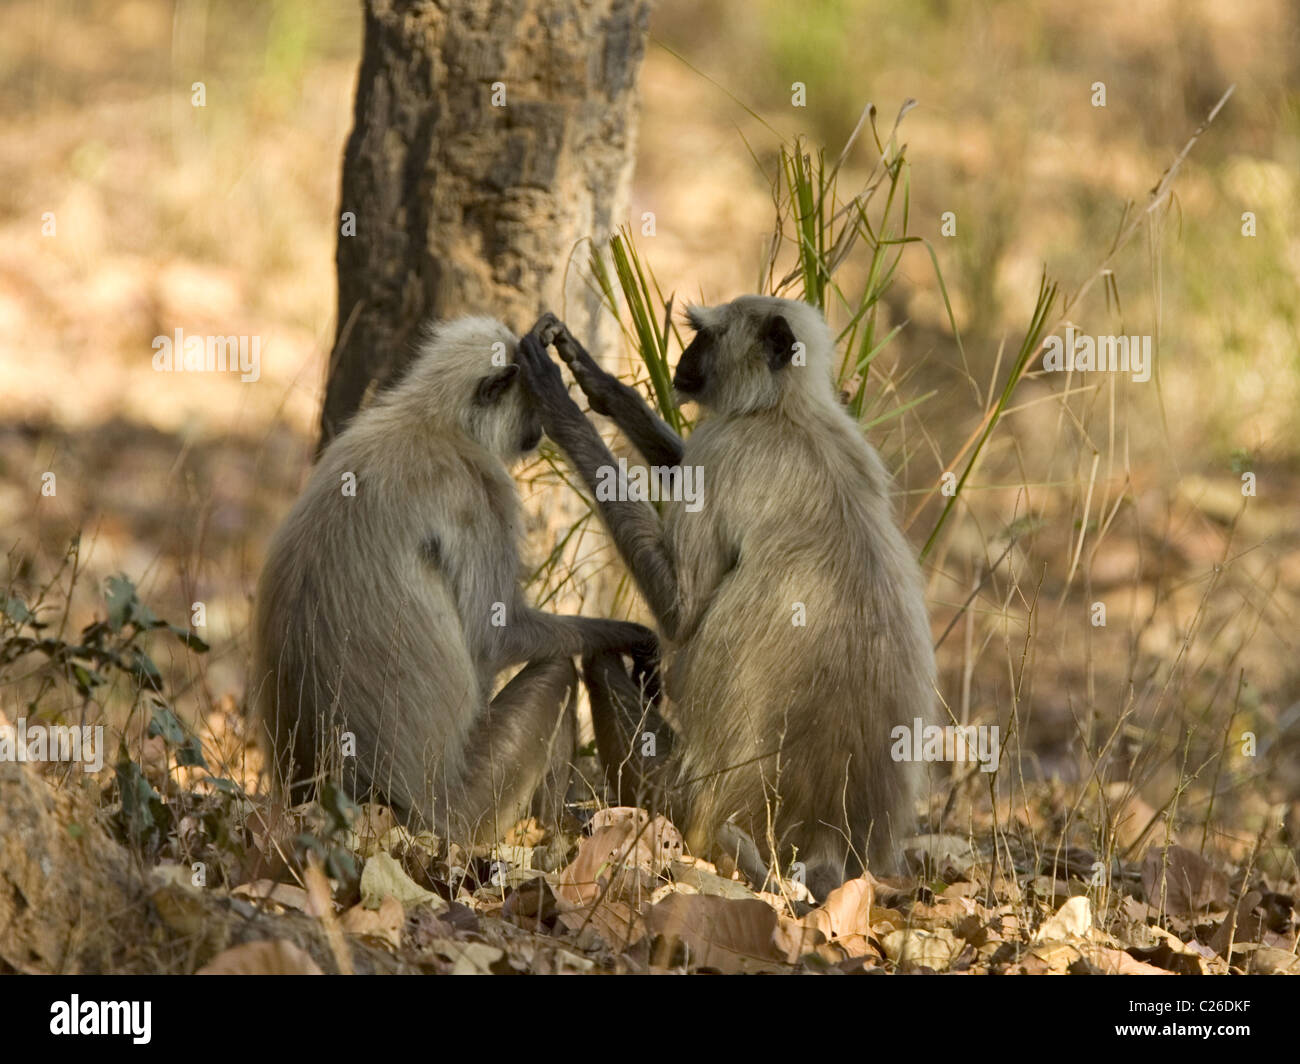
[
  {"x": 789, "y": 603},
  {"x": 390, "y": 601}
]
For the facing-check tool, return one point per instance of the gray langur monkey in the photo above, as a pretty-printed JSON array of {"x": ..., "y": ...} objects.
[
  {"x": 790, "y": 606},
  {"x": 390, "y": 601}
]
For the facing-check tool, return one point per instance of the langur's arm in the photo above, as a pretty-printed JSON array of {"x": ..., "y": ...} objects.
[
  {"x": 634, "y": 525},
  {"x": 608, "y": 395},
  {"x": 530, "y": 635}
]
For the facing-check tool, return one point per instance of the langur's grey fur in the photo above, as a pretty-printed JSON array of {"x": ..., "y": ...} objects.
[
  {"x": 783, "y": 730},
  {"x": 390, "y": 612}
]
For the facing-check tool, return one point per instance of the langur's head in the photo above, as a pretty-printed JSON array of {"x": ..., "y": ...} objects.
[
  {"x": 747, "y": 355},
  {"x": 466, "y": 375}
]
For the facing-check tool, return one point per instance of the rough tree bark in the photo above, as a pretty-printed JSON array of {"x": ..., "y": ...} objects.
[{"x": 461, "y": 205}]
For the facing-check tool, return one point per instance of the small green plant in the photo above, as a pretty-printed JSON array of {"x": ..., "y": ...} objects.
[
  {"x": 113, "y": 644},
  {"x": 107, "y": 655},
  {"x": 650, "y": 329}
]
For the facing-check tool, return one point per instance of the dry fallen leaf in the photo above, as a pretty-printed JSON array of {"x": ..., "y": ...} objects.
[
  {"x": 658, "y": 842},
  {"x": 1234, "y": 924},
  {"x": 1117, "y": 962},
  {"x": 950, "y": 856},
  {"x": 571, "y": 962},
  {"x": 287, "y": 894},
  {"x": 794, "y": 938},
  {"x": 616, "y": 923},
  {"x": 698, "y": 876},
  {"x": 384, "y": 923},
  {"x": 1182, "y": 958},
  {"x": 1266, "y": 960},
  {"x": 847, "y": 947},
  {"x": 1056, "y": 955},
  {"x": 1071, "y": 920},
  {"x": 730, "y": 936},
  {"x": 626, "y": 850},
  {"x": 400, "y": 840},
  {"x": 269, "y": 957},
  {"x": 1134, "y": 819},
  {"x": 527, "y": 833},
  {"x": 884, "y": 921},
  {"x": 468, "y": 958},
  {"x": 368, "y": 829},
  {"x": 182, "y": 909},
  {"x": 1135, "y": 910},
  {"x": 945, "y": 912},
  {"x": 849, "y": 906},
  {"x": 599, "y": 856},
  {"x": 1182, "y": 881},
  {"x": 1030, "y": 964},
  {"x": 514, "y": 866},
  {"x": 914, "y": 947},
  {"x": 383, "y": 877},
  {"x": 321, "y": 904}
]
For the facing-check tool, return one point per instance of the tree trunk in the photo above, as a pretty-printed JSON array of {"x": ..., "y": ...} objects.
[{"x": 490, "y": 138}]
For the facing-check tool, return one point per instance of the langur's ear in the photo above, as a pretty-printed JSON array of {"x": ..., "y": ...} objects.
[
  {"x": 490, "y": 389},
  {"x": 778, "y": 342}
]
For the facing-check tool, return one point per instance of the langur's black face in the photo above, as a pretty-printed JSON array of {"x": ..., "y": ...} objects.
[
  {"x": 695, "y": 366},
  {"x": 531, "y": 431},
  {"x": 735, "y": 361}
]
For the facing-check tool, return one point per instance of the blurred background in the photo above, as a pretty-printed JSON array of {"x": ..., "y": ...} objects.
[{"x": 223, "y": 218}]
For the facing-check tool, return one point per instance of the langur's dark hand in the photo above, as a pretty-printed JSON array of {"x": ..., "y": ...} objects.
[
  {"x": 547, "y": 328},
  {"x": 645, "y": 668},
  {"x": 646, "y": 644},
  {"x": 542, "y": 377},
  {"x": 596, "y": 383}
]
